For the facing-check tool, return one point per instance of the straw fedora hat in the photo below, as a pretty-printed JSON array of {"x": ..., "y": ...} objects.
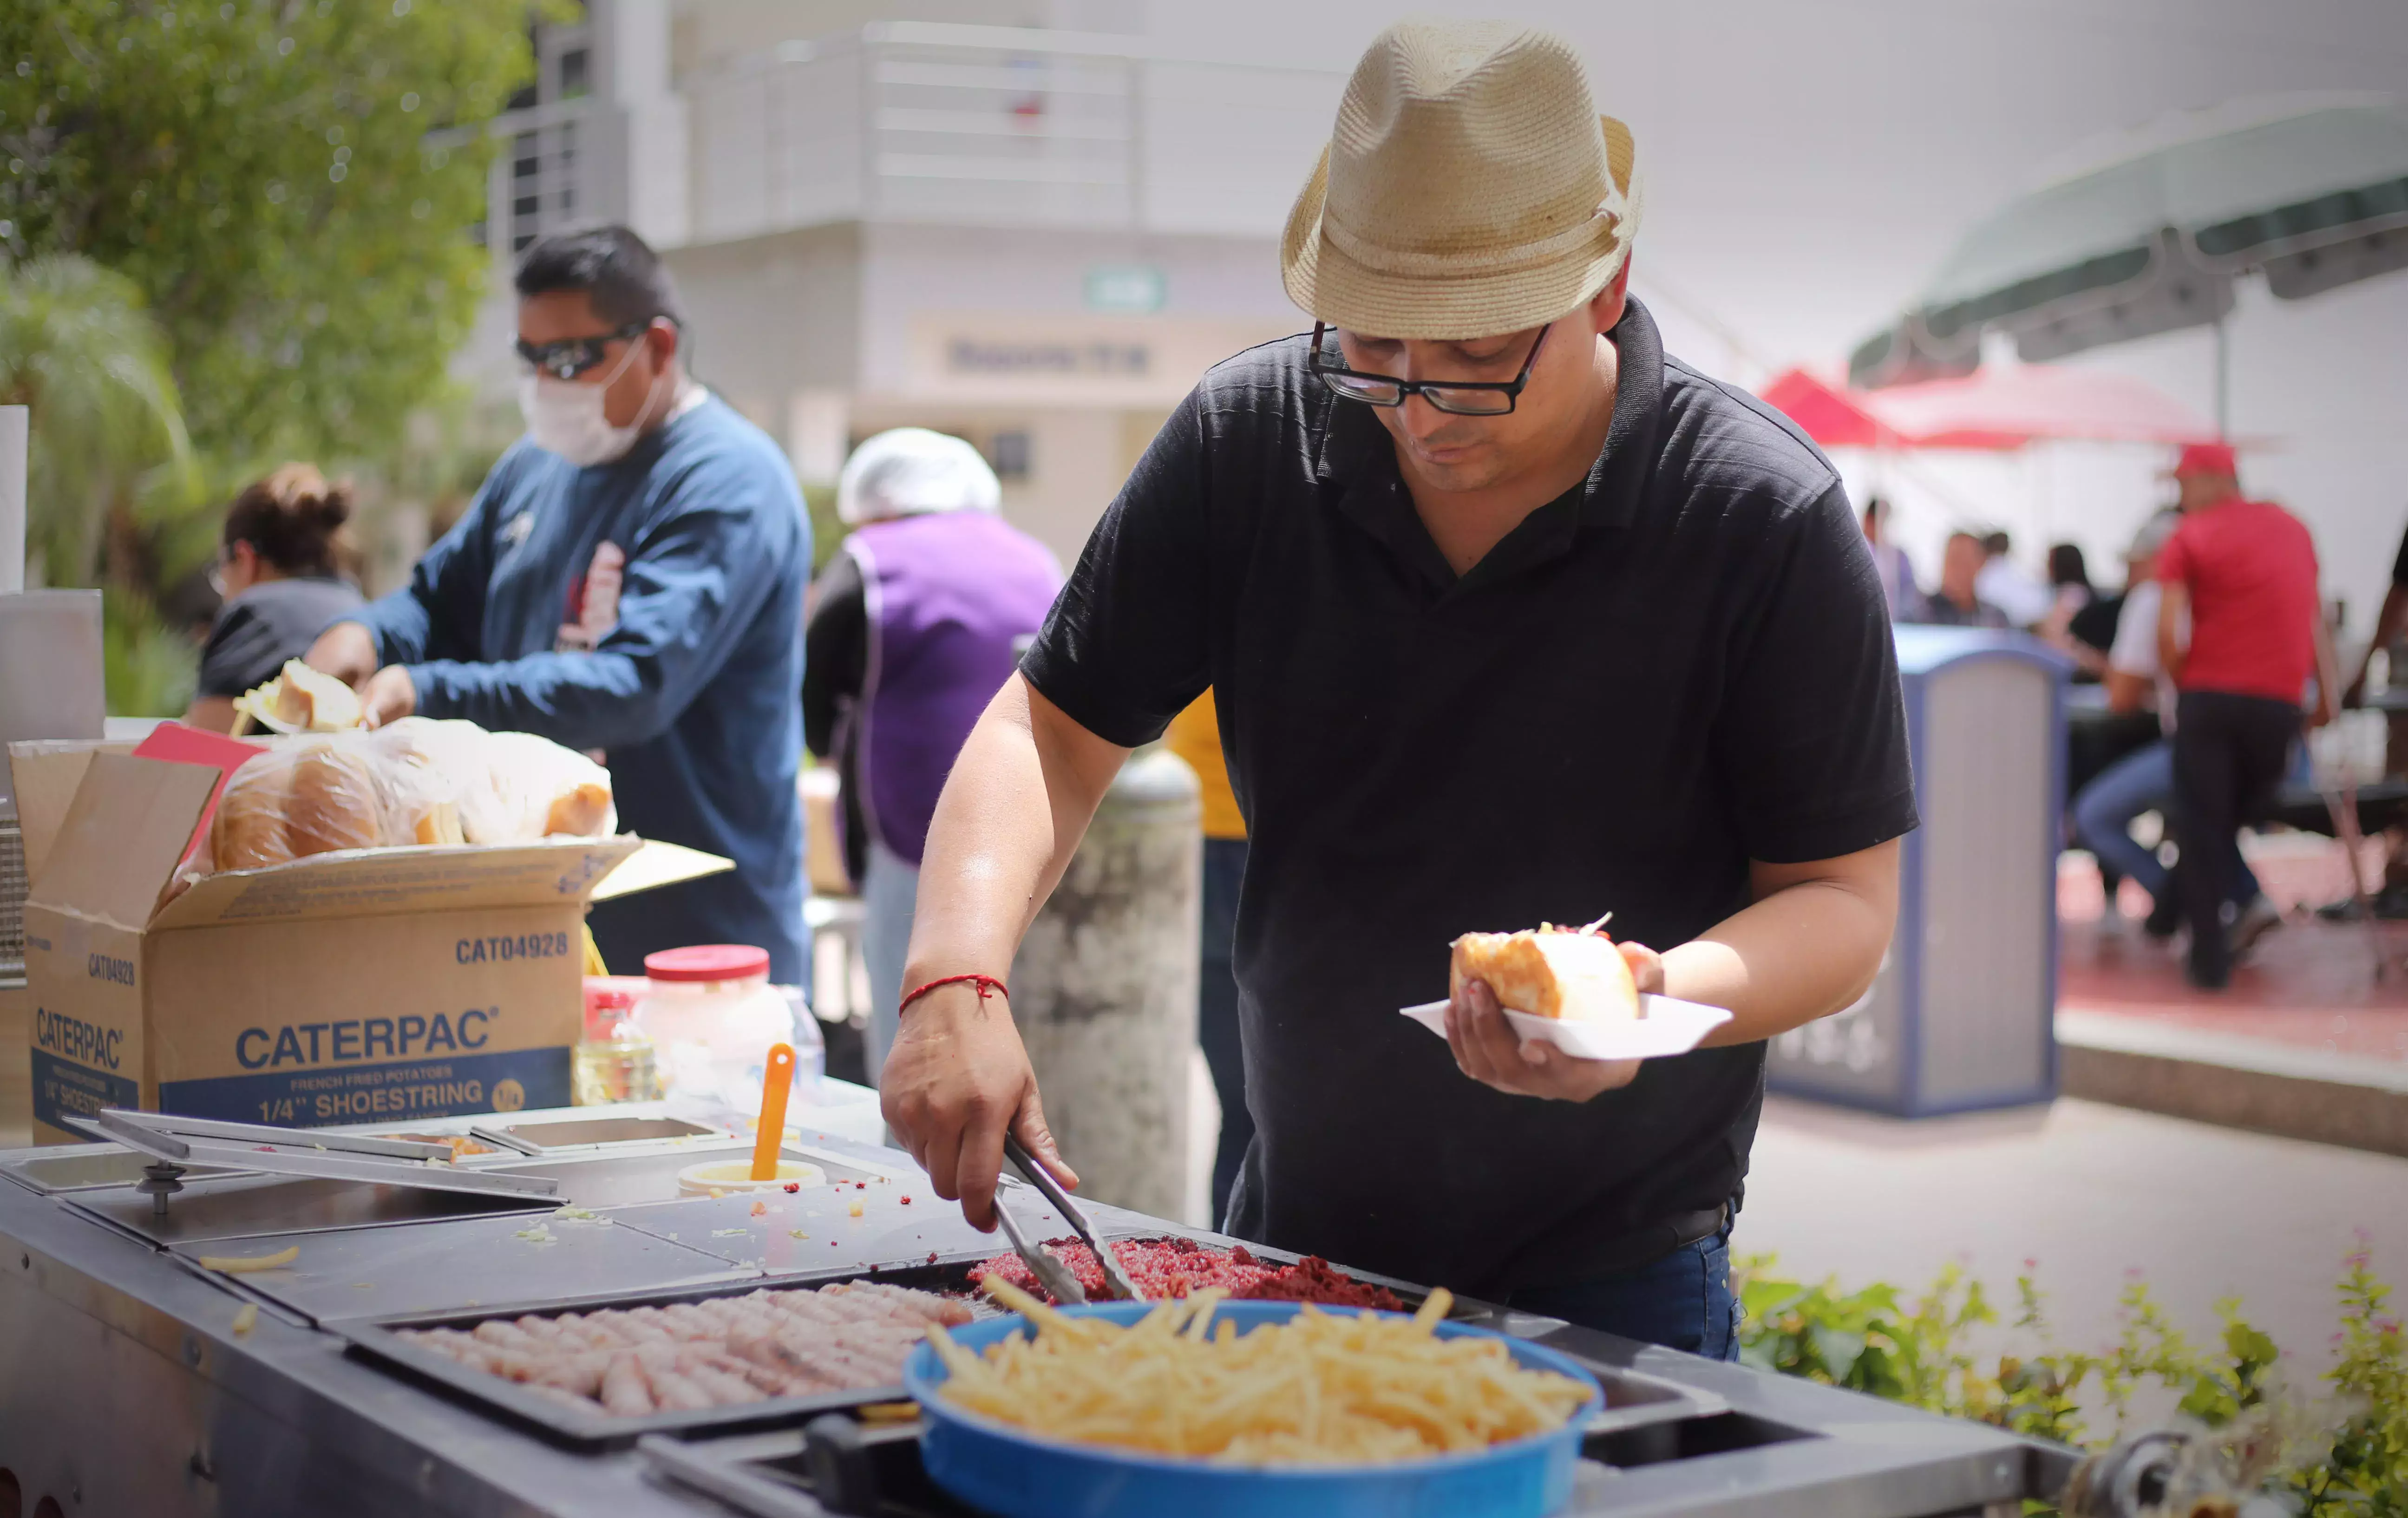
[{"x": 1469, "y": 188}]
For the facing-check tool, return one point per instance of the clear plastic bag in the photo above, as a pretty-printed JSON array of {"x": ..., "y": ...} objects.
[
  {"x": 414, "y": 782},
  {"x": 322, "y": 794},
  {"x": 509, "y": 787}
]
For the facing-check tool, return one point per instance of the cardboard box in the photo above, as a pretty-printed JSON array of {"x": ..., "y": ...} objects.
[
  {"x": 16, "y": 1089},
  {"x": 390, "y": 983}
]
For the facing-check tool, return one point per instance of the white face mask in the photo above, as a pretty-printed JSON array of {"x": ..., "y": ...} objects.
[{"x": 565, "y": 417}]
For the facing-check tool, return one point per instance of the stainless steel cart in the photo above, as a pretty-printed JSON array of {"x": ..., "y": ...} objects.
[{"x": 140, "y": 1384}]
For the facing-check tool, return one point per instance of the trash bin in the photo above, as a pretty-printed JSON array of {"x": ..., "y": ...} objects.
[{"x": 1961, "y": 1015}]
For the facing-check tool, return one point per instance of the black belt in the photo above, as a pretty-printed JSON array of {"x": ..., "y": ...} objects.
[{"x": 1655, "y": 1241}]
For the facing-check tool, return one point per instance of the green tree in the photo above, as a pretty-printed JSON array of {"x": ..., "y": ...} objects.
[
  {"x": 263, "y": 171},
  {"x": 79, "y": 349},
  {"x": 272, "y": 180},
  {"x": 111, "y": 474}
]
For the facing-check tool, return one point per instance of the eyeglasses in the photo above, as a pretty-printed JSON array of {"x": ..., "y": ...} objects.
[
  {"x": 573, "y": 356},
  {"x": 1463, "y": 398}
]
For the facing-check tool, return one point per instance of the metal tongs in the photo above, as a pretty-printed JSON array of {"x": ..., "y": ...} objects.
[
  {"x": 1042, "y": 1263},
  {"x": 1043, "y": 1179}
]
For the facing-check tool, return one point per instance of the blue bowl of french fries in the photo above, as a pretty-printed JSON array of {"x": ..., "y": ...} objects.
[{"x": 1204, "y": 1408}]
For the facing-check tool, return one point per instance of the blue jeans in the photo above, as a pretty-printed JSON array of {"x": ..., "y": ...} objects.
[
  {"x": 889, "y": 892},
  {"x": 1681, "y": 1300},
  {"x": 1216, "y": 1012},
  {"x": 2142, "y": 781}
]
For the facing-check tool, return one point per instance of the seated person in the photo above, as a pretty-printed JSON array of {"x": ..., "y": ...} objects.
[
  {"x": 2143, "y": 780},
  {"x": 2074, "y": 625},
  {"x": 1957, "y": 603},
  {"x": 280, "y": 570},
  {"x": 1905, "y": 598},
  {"x": 2391, "y": 901},
  {"x": 2092, "y": 625},
  {"x": 630, "y": 580},
  {"x": 2021, "y": 595}
]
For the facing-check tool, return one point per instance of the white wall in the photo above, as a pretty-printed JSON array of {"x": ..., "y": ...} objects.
[{"x": 1808, "y": 165}]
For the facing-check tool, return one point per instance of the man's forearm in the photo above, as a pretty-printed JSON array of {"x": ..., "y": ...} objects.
[
  {"x": 1010, "y": 816},
  {"x": 1806, "y": 948}
]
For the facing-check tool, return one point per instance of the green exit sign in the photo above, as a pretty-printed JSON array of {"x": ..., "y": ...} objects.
[{"x": 1129, "y": 287}]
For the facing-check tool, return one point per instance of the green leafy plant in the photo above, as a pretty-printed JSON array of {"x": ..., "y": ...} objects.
[
  {"x": 268, "y": 174},
  {"x": 2344, "y": 1459},
  {"x": 232, "y": 234},
  {"x": 147, "y": 665},
  {"x": 2363, "y": 1469},
  {"x": 78, "y": 348}
]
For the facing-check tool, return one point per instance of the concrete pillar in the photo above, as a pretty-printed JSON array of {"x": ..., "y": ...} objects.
[
  {"x": 1105, "y": 989},
  {"x": 635, "y": 168}
]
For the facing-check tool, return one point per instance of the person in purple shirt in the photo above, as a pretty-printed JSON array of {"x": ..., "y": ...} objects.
[{"x": 915, "y": 626}]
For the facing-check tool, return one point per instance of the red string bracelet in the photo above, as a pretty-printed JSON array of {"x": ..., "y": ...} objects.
[{"x": 987, "y": 984}]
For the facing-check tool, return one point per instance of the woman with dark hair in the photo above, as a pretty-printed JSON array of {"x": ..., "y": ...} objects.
[
  {"x": 2066, "y": 567},
  {"x": 281, "y": 571},
  {"x": 2081, "y": 622}
]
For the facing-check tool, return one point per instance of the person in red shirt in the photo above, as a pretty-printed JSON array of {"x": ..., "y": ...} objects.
[{"x": 2243, "y": 575}]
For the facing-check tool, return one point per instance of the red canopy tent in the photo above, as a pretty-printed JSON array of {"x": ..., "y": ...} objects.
[{"x": 1991, "y": 409}]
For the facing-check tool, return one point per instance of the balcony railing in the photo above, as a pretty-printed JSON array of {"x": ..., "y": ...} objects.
[
  {"x": 997, "y": 125},
  {"x": 536, "y": 184},
  {"x": 965, "y": 125}
]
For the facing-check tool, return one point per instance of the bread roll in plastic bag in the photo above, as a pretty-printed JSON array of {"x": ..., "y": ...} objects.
[
  {"x": 322, "y": 793},
  {"x": 509, "y": 787},
  {"x": 549, "y": 790}
]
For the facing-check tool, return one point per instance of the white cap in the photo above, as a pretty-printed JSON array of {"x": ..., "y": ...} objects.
[{"x": 910, "y": 471}]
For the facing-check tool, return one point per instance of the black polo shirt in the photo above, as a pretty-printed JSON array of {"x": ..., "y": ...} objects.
[{"x": 1681, "y": 665}]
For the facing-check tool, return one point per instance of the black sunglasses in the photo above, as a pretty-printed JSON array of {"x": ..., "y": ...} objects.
[
  {"x": 573, "y": 356},
  {"x": 1463, "y": 398}
]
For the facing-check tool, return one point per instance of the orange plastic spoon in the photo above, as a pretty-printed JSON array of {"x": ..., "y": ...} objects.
[{"x": 776, "y": 1082}]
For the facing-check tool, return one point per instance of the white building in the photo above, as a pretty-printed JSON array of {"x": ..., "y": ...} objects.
[{"x": 1036, "y": 237}]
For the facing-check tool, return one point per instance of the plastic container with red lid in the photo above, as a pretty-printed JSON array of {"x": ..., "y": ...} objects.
[
  {"x": 712, "y": 1016},
  {"x": 708, "y": 962}
]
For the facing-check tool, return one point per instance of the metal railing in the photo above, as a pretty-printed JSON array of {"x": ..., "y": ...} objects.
[
  {"x": 536, "y": 184},
  {"x": 966, "y": 125},
  {"x": 924, "y": 121}
]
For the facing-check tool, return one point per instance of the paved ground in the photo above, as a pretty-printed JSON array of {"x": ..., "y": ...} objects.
[
  {"x": 2309, "y": 983},
  {"x": 2090, "y": 1192}
]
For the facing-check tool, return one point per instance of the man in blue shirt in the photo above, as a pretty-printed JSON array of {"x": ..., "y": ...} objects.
[{"x": 630, "y": 581}]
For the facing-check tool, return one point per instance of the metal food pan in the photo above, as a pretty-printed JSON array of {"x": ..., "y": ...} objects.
[
  {"x": 604, "y": 1128},
  {"x": 647, "y": 1174},
  {"x": 378, "y": 1340}
]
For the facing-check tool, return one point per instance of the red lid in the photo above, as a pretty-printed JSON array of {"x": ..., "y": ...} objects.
[
  {"x": 707, "y": 962},
  {"x": 608, "y": 998}
]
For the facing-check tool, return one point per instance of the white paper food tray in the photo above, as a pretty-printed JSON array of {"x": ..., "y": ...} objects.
[{"x": 1666, "y": 1025}]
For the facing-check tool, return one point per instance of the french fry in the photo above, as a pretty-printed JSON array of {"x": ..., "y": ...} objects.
[
  {"x": 1323, "y": 1388},
  {"x": 236, "y": 1264}
]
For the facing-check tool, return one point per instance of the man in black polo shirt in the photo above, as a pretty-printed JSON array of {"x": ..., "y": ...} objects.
[{"x": 1509, "y": 619}]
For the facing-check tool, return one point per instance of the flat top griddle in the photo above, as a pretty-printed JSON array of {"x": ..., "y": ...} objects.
[
  {"x": 378, "y": 1340},
  {"x": 381, "y": 1340},
  {"x": 473, "y": 1265}
]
